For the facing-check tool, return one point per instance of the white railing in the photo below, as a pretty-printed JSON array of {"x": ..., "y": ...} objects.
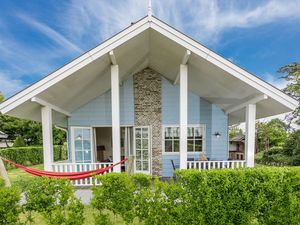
[
  {"x": 206, "y": 165},
  {"x": 81, "y": 167}
]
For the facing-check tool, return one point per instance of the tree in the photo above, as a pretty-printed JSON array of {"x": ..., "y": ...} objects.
[
  {"x": 1, "y": 97},
  {"x": 235, "y": 131},
  {"x": 271, "y": 134},
  {"x": 29, "y": 131},
  {"x": 292, "y": 75}
]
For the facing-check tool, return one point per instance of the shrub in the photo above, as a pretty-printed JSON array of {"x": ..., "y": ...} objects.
[
  {"x": 19, "y": 142},
  {"x": 115, "y": 194},
  {"x": 31, "y": 155},
  {"x": 9, "y": 207},
  {"x": 54, "y": 199},
  {"x": 244, "y": 196}
]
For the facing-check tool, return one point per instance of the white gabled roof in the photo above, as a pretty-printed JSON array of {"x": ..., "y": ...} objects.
[{"x": 149, "y": 42}]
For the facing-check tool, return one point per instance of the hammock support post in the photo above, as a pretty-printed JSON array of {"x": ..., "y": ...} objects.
[{"x": 4, "y": 174}]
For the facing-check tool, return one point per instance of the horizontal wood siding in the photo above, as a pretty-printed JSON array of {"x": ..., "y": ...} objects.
[
  {"x": 98, "y": 111},
  {"x": 219, "y": 145},
  {"x": 200, "y": 111}
]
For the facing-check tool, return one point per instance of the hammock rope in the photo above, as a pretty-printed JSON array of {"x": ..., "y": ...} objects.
[{"x": 66, "y": 175}]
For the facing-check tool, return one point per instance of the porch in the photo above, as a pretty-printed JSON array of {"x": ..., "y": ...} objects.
[{"x": 81, "y": 167}]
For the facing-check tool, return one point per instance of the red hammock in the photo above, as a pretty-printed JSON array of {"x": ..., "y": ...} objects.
[{"x": 67, "y": 175}]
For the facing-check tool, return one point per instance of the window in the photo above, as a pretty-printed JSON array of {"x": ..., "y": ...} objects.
[
  {"x": 82, "y": 144},
  {"x": 171, "y": 139},
  {"x": 195, "y": 138}
]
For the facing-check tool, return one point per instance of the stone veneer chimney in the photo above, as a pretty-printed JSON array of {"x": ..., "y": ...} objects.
[{"x": 147, "y": 108}]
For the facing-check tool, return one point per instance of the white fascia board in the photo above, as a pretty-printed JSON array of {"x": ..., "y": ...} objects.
[
  {"x": 53, "y": 107},
  {"x": 224, "y": 64},
  {"x": 243, "y": 105},
  {"x": 74, "y": 65}
]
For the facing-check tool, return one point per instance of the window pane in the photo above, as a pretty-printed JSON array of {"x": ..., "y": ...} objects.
[
  {"x": 198, "y": 132},
  {"x": 168, "y": 146},
  {"x": 145, "y": 154},
  {"x": 138, "y": 165},
  {"x": 190, "y": 132},
  {"x": 138, "y": 133},
  {"x": 176, "y": 132},
  {"x": 190, "y": 146},
  {"x": 145, "y": 143},
  {"x": 78, "y": 134},
  {"x": 78, "y": 156},
  {"x": 86, "y": 134},
  {"x": 168, "y": 133},
  {"x": 138, "y": 155},
  {"x": 176, "y": 145},
  {"x": 78, "y": 145},
  {"x": 145, "y": 132},
  {"x": 87, "y": 144},
  {"x": 198, "y": 145},
  {"x": 138, "y": 143},
  {"x": 145, "y": 165},
  {"x": 87, "y": 155}
]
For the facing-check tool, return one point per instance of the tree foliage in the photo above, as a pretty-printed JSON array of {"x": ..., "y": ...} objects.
[
  {"x": 292, "y": 75},
  {"x": 29, "y": 131},
  {"x": 271, "y": 134}
]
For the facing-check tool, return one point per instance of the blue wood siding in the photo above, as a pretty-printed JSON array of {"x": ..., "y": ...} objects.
[
  {"x": 219, "y": 123},
  {"x": 98, "y": 111},
  {"x": 200, "y": 111}
]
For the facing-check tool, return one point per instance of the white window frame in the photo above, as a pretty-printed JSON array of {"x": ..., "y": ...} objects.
[
  {"x": 203, "y": 126},
  {"x": 150, "y": 149},
  {"x": 73, "y": 142}
]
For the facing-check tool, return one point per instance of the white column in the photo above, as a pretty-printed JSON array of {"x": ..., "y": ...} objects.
[
  {"x": 47, "y": 137},
  {"x": 250, "y": 134},
  {"x": 115, "y": 112},
  {"x": 183, "y": 115}
]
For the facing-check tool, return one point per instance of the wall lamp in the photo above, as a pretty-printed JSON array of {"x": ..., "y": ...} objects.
[{"x": 217, "y": 134}]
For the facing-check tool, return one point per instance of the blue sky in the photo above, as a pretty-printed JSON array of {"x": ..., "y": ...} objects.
[{"x": 37, "y": 37}]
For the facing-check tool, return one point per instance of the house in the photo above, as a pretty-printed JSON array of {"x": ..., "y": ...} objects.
[
  {"x": 4, "y": 142},
  {"x": 237, "y": 147},
  {"x": 152, "y": 92}
]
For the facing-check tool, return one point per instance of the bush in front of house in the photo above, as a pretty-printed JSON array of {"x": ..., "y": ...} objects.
[
  {"x": 9, "y": 207},
  {"x": 244, "y": 196},
  {"x": 55, "y": 200},
  {"x": 32, "y": 155}
]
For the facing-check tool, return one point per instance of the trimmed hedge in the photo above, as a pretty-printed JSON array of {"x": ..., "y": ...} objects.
[
  {"x": 244, "y": 196},
  {"x": 32, "y": 155}
]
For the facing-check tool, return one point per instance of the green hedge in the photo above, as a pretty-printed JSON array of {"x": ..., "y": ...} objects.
[
  {"x": 32, "y": 155},
  {"x": 245, "y": 196},
  {"x": 9, "y": 207}
]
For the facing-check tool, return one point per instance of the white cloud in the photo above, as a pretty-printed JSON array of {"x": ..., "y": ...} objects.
[
  {"x": 276, "y": 81},
  {"x": 9, "y": 85},
  {"x": 205, "y": 20},
  {"x": 50, "y": 33}
]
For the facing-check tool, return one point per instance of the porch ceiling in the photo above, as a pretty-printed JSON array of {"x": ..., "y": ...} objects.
[{"x": 150, "y": 49}]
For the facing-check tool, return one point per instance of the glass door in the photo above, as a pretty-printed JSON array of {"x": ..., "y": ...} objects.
[
  {"x": 142, "y": 146},
  {"x": 82, "y": 144}
]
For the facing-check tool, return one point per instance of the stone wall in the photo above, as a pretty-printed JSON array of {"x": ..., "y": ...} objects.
[{"x": 147, "y": 107}]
